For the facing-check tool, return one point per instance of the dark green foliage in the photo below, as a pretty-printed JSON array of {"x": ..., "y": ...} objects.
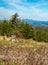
[
  {"x": 23, "y": 30},
  {"x": 26, "y": 30},
  {"x": 41, "y": 34},
  {"x": 15, "y": 23},
  {"x": 5, "y": 28}
]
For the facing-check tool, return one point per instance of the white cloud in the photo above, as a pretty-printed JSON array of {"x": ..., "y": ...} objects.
[
  {"x": 31, "y": 12},
  {"x": 5, "y": 13},
  {"x": 12, "y": 1}
]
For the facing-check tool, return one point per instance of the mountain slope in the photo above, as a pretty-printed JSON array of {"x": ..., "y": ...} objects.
[{"x": 36, "y": 23}]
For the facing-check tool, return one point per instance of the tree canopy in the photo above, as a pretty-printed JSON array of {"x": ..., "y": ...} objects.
[{"x": 21, "y": 29}]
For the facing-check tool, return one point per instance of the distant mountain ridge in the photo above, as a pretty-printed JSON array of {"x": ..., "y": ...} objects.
[{"x": 36, "y": 23}]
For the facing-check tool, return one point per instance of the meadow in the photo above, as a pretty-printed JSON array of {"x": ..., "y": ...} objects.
[
  {"x": 23, "y": 52},
  {"x": 23, "y": 43}
]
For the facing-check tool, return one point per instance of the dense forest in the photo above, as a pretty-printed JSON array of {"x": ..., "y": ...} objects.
[{"x": 23, "y": 30}]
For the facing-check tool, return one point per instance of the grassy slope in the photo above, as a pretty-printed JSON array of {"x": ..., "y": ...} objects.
[{"x": 20, "y": 44}]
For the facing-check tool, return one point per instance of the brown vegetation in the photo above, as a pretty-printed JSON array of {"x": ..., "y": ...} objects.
[{"x": 24, "y": 56}]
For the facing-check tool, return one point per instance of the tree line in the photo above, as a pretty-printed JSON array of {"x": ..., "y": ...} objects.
[{"x": 23, "y": 30}]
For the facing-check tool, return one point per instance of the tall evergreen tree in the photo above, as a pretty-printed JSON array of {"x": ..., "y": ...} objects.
[{"x": 15, "y": 21}]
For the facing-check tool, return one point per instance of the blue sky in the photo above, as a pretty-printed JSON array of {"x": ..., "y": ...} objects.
[{"x": 27, "y": 9}]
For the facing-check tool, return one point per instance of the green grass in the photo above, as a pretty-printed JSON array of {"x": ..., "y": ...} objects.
[
  {"x": 1, "y": 62},
  {"x": 9, "y": 43},
  {"x": 13, "y": 63}
]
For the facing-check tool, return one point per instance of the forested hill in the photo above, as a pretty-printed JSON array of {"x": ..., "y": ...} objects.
[
  {"x": 36, "y": 23},
  {"x": 24, "y": 30}
]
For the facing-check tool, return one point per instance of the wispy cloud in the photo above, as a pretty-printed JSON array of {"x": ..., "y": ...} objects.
[
  {"x": 34, "y": 10},
  {"x": 5, "y": 13}
]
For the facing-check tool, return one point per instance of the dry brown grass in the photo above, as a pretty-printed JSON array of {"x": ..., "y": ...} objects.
[
  {"x": 23, "y": 51},
  {"x": 5, "y": 38},
  {"x": 27, "y": 41},
  {"x": 24, "y": 56}
]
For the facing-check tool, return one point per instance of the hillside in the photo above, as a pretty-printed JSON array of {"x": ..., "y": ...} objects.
[
  {"x": 23, "y": 44},
  {"x": 36, "y": 23},
  {"x": 23, "y": 53}
]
